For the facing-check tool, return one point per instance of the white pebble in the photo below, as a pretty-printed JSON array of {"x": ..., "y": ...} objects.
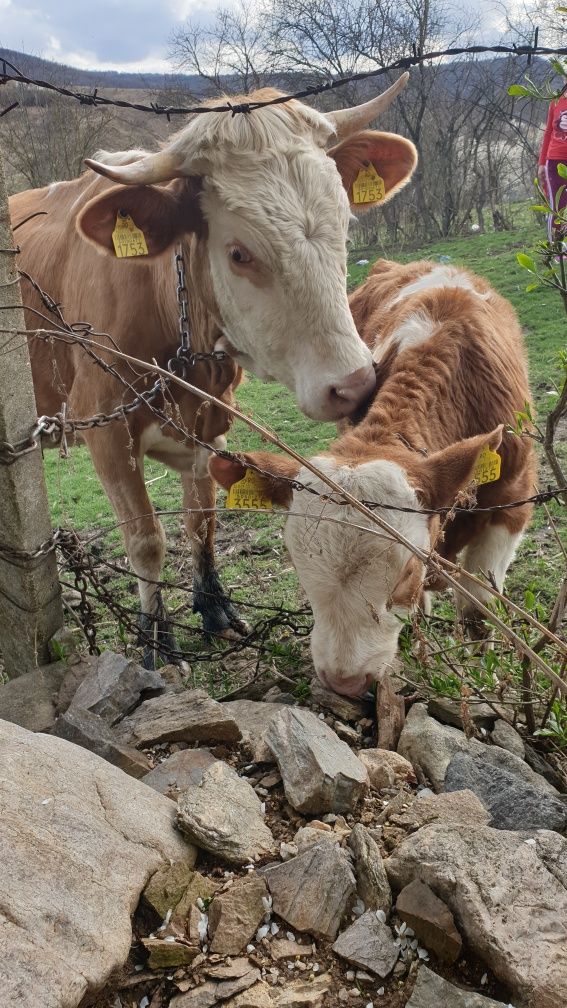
[
  {"x": 267, "y": 902},
  {"x": 274, "y": 928},
  {"x": 409, "y": 933},
  {"x": 290, "y": 936},
  {"x": 290, "y": 967},
  {"x": 250, "y": 948},
  {"x": 321, "y": 716},
  {"x": 531, "y": 842},
  {"x": 170, "y": 938},
  {"x": 381, "y": 916},
  {"x": 380, "y": 992},
  {"x": 138, "y": 967},
  {"x": 200, "y": 904},
  {"x": 316, "y": 967},
  {"x": 262, "y": 932},
  {"x": 369, "y": 1005},
  {"x": 166, "y": 920},
  {"x": 484, "y": 979},
  {"x": 423, "y": 954},
  {"x": 402, "y": 928},
  {"x": 350, "y": 975},
  {"x": 202, "y": 924},
  {"x": 263, "y": 808},
  {"x": 145, "y": 1001}
]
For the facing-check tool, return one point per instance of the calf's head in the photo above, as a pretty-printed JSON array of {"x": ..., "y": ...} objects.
[
  {"x": 360, "y": 582},
  {"x": 271, "y": 202}
]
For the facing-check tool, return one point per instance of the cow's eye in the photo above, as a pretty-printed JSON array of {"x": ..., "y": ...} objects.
[{"x": 239, "y": 254}]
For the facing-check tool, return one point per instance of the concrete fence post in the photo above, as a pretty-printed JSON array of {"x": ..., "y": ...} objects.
[{"x": 30, "y": 595}]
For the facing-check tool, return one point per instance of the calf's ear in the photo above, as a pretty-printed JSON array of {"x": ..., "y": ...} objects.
[
  {"x": 276, "y": 471},
  {"x": 163, "y": 214},
  {"x": 393, "y": 157},
  {"x": 450, "y": 470}
]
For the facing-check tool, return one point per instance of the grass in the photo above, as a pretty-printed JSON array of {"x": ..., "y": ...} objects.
[{"x": 252, "y": 558}]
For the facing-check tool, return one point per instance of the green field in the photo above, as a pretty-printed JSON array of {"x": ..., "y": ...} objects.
[{"x": 254, "y": 565}]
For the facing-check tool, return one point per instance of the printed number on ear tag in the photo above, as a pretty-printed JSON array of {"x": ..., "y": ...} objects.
[
  {"x": 368, "y": 186},
  {"x": 488, "y": 466},
  {"x": 248, "y": 493},
  {"x": 128, "y": 240}
]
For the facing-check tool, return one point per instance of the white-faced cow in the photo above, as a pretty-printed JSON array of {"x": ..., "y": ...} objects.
[
  {"x": 451, "y": 371},
  {"x": 260, "y": 205}
]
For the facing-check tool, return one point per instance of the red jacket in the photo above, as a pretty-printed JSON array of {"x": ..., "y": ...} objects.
[{"x": 554, "y": 143}]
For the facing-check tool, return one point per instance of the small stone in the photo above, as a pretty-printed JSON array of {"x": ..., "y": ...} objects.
[
  {"x": 506, "y": 737},
  {"x": 450, "y": 712},
  {"x": 223, "y": 815},
  {"x": 235, "y": 914},
  {"x": 346, "y": 733},
  {"x": 211, "y": 992},
  {"x": 432, "y": 991},
  {"x": 288, "y": 850},
  {"x": 454, "y": 807},
  {"x": 305, "y": 993},
  {"x": 91, "y": 732},
  {"x": 30, "y": 700},
  {"x": 431, "y": 920},
  {"x": 345, "y": 708},
  {"x": 313, "y": 891},
  {"x": 253, "y": 719},
  {"x": 177, "y": 887},
  {"x": 430, "y": 746},
  {"x": 179, "y": 771},
  {"x": 257, "y": 996},
  {"x": 286, "y": 949},
  {"x": 386, "y": 768},
  {"x": 168, "y": 955},
  {"x": 371, "y": 879},
  {"x": 319, "y": 772},
  {"x": 114, "y": 686},
  {"x": 191, "y": 716},
  {"x": 307, "y": 836},
  {"x": 368, "y": 943}
]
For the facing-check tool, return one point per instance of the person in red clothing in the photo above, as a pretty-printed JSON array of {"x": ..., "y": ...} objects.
[{"x": 554, "y": 152}]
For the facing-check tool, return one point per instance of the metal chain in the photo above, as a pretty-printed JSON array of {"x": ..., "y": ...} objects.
[{"x": 184, "y": 359}]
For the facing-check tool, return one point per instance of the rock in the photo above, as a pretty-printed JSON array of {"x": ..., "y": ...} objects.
[
  {"x": 257, "y": 996},
  {"x": 284, "y": 948},
  {"x": 450, "y": 712},
  {"x": 114, "y": 686},
  {"x": 505, "y": 760},
  {"x": 78, "y": 667},
  {"x": 223, "y": 814},
  {"x": 540, "y": 765},
  {"x": 253, "y": 720},
  {"x": 313, "y": 891},
  {"x": 176, "y": 887},
  {"x": 371, "y": 879},
  {"x": 304, "y": 993},
  {"x": 512, "y": 803},
  {"x": 179, "y": 771},
  {"x": 386, "y": 768},
  {"x": 508, "y": 894},
  {"x": 307, "y": 836},
  {"x": 191, "y": 716},
  {"x": 345, "y": 708},
  {"x": 81, "y": 839},
  {"x": 30, "y": 699},
  {"x": 319, "y": 772},
  {"x": 455, "y": 807},
  {"x": 368, "y": 943},
  {"x": 506, "y": 737},
  {"x": 168, "y": 954},
  {"x": 431, "y": 991},
  {"x": 90, "y": 732},
  {"x": 209, "y": 993},
  {"x": 431, "y": 920},
  {"x": 235, "y": 915},
  {"x": 430, "y": 746}
]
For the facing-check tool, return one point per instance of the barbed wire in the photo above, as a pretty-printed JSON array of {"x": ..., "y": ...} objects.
[{"x": 11, "y": 73}]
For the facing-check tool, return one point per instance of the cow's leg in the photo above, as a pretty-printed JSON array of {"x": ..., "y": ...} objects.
[
  {"x": 490, "y": 553},
  {"x": 218, "y": 615},
  {"x": 123, "y": 480}
]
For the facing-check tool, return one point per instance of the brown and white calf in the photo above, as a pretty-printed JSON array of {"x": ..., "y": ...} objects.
[
  {"x": 261, "y": 204},
  {"x": 451, "y": 371}
]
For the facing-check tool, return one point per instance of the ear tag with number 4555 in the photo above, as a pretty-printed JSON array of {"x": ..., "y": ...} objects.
[
  {"x": 368, "y": 186},
  {"x": 488, "y": 465},
  {"x": 248, "y": 494},
  {"x": 128, "y": 240}
]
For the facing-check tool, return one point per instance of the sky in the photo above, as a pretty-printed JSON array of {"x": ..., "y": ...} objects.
[{"x": 128, "y": 34}]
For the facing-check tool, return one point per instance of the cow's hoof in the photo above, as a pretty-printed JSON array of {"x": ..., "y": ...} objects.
[{"x": 220, "y": 619}]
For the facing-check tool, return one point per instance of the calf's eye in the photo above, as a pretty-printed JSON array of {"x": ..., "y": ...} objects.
[{"x": 239, "y": 254}]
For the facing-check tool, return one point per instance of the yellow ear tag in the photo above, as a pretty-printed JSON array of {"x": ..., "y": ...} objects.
[
  {"x": 488, "y": 466},
  {"x": 368, "y": 186},
  {"x": 248, "y": 493},
  {"x": 128, "y": 240}
]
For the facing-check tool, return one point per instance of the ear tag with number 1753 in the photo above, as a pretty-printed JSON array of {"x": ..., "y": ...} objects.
[
  {"x": 248, "y": 494},
  {"x": 128, "y": 240},
  {"x": 368, "y": 186}
]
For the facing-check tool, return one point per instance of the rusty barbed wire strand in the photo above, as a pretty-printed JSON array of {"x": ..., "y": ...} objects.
[{"x": 14, "y": 74}]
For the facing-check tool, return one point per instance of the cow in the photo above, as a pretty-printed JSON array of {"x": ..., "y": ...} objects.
[
  {"x": 260, "y": 205},
  {"x": 451, "y": 374}
]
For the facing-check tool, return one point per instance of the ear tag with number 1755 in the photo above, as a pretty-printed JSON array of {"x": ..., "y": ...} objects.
[
  {"x": 488, "y": 465},
  {"x": 248, "y": 494}
]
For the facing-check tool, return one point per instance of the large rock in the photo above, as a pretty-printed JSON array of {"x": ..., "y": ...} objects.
[
  {"x": 179, "y": 771},
  {"x": 313, "y": 891},
  {"x": 214, "y": 991},
  {"x": 452, "y": 807},
  {"x": 115, "y": 686},
  {"x": 90, "y": 731},
  {"x": 191, "y": 716},
  {"x": 450, "y": 712},
  {"x": 30, "y": 699},
  {"x": 305, "y": 993},
  {"x": 368, "y": 944},
  {"x": 505, "y": 760},
  {"x": 223, "y": 814},
  {"x": 513, "y": 804},
  {"x": 540, "y": 765},
  {"x": 508, "y": 894},
  {"x": 319, "y": 772},
  {"x": 431, "y": 991},
  {"x": 431, "y": 920},
  {"x": 385, "y": 768},
  {"x": 81, "y": 840},
  {"x": 430, "y": 746},
  {"x": 345, "y": 708},
  {"x": 253, "y": 719},
  {"x": 235, "y": 915},
  {"x": 371, "y": 879},
  {"x": 506, "y": 737}
]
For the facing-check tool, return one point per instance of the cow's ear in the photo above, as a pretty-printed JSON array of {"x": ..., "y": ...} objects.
[
  {"x": 393, "y": 157},
  {"x": 446, "y": 472},
  {"x": 276, "y": 472},
  {"x": 163, "y": 214}
]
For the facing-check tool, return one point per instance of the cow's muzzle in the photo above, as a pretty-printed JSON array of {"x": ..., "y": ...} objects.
[{"x": 344, "y": 397}]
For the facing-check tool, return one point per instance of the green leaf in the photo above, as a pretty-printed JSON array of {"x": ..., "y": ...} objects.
[
  {"x": 519, "y": 89},
  {"x": 532, "y": 287},
  {"x": 562, "y": 170},
  {"x": 526, "y": 262},
  {"x": 539, "y": 208}
]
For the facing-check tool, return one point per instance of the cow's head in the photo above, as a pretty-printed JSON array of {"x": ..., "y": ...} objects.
[
  {"x": 272, "y": 202},
  {"x": 360, "y": 583}
]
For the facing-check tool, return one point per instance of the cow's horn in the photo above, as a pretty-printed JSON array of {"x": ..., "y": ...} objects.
[
  {"x": 351, "y": 120},
  {"x": 160, "y": 167}
]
